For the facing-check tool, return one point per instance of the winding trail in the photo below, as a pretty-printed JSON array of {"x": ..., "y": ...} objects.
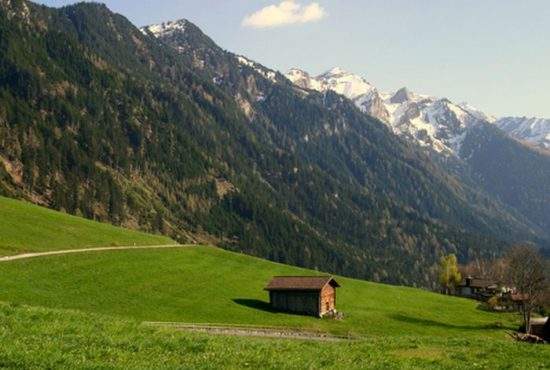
[{"x": 85, "y": 250}]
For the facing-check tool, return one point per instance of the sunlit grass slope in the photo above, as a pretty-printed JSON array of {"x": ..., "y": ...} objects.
[
  {"x": 92, "y": 304},
  {"x": 50, "y": 338},
  {"x": 25, "y": 227},
  {"x": 209, "y": 285}
]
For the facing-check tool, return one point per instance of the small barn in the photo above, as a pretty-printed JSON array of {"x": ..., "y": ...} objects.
[{"x": 308, "y": 295}]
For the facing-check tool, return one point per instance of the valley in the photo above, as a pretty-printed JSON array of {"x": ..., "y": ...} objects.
[{"x": 167, "y": 203}]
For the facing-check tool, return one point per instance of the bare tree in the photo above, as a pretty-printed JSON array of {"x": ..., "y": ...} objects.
[
  {"x": 494, "y": 269},
  {"x": 526, "y": 274}
]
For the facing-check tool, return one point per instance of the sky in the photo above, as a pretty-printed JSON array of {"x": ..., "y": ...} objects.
[{"x": 493, "y": 54}]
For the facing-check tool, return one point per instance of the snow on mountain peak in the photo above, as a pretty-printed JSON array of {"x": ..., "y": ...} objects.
[
  {"x": 166, "y": 28},
  {"x": 296, "y": 75},
  {"x": 532, "y": 130},
  {"x": 431, "y": 122},
  {"x": 435, "y": 123},
  {"x": 265, "y": 72},
  {"x": 335, "y": 71},
  {"x": 297, "y": 71},
  {"x": 477, "y": 113},
  {"x": 337, "y": 79}
]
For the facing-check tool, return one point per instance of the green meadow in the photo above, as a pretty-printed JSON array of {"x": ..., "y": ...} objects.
[
  {"x": 48, "y": 338},
  {"x": 210, "y": 285},
  {"x": 25, "y": 227},
  {"x": 88, "y": 310}
]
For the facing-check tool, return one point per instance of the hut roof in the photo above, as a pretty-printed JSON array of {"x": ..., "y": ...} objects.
[
  {"x": 478, "y": 283},
  {"x": 314, "y": 283}
]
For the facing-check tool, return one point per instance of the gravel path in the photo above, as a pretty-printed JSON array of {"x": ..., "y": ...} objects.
[
  {"x": 84, "y": 250},
  {"x": 249, "y": 331}
]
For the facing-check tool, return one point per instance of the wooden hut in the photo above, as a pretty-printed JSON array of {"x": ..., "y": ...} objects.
[{"x": 308, "y": 295}]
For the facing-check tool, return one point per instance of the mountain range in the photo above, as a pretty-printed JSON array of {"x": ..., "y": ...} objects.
[
  {"x": 535, "y": 131},
  {"x": 160, "y": 129},
  {"x": 506, "y": 157},
  {"x": 437, "y": 123}
]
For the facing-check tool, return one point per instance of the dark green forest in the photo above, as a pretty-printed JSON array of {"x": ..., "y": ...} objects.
[
  {"x": 517, "y": 174},
  {"x": 176, "y": 136}
]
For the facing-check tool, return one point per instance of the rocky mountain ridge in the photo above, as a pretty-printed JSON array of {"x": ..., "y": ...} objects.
[{"x": 435, "y": 123}]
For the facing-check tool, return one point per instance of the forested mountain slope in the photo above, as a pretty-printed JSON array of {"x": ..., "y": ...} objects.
[
  {"x": 512, "y": 171},
  {"x": 174, "y": 134}
]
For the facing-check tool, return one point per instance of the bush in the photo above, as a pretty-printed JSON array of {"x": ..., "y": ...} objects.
[{"x": 493, "y": 302}]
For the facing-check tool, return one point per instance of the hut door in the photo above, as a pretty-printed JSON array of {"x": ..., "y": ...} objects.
[{"x": 328, "y": 306}]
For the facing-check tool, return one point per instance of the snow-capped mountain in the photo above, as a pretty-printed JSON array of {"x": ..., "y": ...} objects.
[
  {"x": 338, "y": 80},
  {"x": 531, "y": 130},
  {"x": 435, "y": 123},
  {"x": 166, "y": 28}
]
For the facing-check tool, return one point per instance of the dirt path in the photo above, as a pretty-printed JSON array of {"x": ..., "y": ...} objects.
[
  {"x": 249, "y": 331},
  {"x": 84, "y": 250}
]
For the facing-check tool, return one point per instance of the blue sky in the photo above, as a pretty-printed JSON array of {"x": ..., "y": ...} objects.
[{"x": 494, "y": 54}]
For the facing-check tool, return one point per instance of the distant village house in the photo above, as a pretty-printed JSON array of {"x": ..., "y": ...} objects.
[
  {"x": 482, "y": 289},
  {"x": 308, "y": 295},
  {"x": 508, "y": 298}
]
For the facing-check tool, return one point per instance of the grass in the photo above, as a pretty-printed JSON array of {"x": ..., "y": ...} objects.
[
  {"x": 209, "y": 285},
  {"x": 28, "y": 228},
  {"x": 48, "y": 338},
  {"x": 86, "y": 310}
]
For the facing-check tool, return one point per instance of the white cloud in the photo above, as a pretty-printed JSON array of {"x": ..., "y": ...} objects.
[{"x": 286, "y": 12}]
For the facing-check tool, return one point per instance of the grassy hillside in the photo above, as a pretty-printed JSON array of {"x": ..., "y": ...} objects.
[
  {"x": 92, "y": 306},
  {"x": 85, "y": 310},
  {"x": 28, "y": 228},
  {"x": 209, "y": 285},
  {"x": 46, "y": 338}
]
